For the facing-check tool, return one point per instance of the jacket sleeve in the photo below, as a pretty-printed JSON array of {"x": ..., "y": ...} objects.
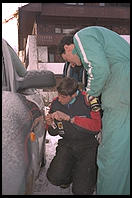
[
  {"x": 92, "y": 124},
  {"x": 90, "y": 48}
]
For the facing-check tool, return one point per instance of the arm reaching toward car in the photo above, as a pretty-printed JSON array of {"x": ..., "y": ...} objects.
[{"x": 93, "y": 123}]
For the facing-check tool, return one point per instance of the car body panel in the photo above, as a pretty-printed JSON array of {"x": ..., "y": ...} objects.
[
  {"x": 15, "y": 129},
  {"x": 22, "y": 117}
]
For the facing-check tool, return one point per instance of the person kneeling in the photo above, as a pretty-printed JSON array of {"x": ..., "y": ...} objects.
[{"x": 72, "y": 117}]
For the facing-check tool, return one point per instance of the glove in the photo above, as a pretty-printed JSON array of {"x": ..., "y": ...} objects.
[
  {"x": 95, "y": 105},
  {"x": 93, "y": 102}
]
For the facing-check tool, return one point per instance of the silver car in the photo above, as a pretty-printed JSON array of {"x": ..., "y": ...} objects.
[{"x": 23, "y": 123}]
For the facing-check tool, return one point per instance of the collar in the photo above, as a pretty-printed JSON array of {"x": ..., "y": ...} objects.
[{"x": 74, "y": 99}]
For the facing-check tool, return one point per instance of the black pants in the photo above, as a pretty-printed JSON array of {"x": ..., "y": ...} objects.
[{"x": 74, "y": 164}]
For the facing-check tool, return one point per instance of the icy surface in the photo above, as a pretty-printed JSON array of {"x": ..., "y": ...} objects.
[{"x": 42, "y": 185}]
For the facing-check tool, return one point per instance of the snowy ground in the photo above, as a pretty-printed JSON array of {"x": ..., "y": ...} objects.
[{"x": 42, "y": 185}]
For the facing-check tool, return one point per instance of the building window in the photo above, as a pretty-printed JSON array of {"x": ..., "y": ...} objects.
[
  {"x": 67, "y": 30},
  {"x": 70, "y": 3},
  {"x": 102, "y": 4},
  {"x": 57, "y": 30},
  {"x": 74, "y": 3},
  {"x": 80, "y": 3},
  {"x": 119, "y": 4},
  {"x": 51, "y": 58}
]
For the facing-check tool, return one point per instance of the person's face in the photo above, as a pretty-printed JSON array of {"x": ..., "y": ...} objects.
[
  {"x": 69, "y": 56},
  {"x": 65, "y": 99}
]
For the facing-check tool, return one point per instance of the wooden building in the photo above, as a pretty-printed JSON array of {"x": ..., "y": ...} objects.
[{"x": 49, "y": 22}]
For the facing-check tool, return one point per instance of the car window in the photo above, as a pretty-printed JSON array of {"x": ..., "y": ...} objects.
[
  {"x": 12, "y": 68},
  {"x": 18, "y": 66},
  {"x": 4, "y": 77}
]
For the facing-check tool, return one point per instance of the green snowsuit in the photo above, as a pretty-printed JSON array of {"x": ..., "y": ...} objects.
[{"x": 106, "y": 57}]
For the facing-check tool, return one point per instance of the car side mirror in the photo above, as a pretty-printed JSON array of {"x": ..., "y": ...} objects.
[{"x": 36, "y": 79}]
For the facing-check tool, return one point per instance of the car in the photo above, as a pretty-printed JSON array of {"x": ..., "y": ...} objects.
[{"x": 23, "y": 123}]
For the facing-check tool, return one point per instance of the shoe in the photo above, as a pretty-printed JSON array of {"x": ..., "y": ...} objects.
[{"x": 64, "y": 185}]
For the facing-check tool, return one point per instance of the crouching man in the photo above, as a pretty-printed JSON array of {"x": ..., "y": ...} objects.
[{"x": 72, "y": 118}]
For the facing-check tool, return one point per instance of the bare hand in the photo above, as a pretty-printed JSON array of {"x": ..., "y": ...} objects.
[
  {"x": 58, "y": 115},
  {"x": 49, "y": 119}
]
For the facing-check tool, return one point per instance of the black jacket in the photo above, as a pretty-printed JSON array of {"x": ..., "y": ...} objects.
[{"x": 87, "y": 124}]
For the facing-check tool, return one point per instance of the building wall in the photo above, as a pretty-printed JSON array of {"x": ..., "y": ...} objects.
[
  {"x": 57, "y": 19},
  {"x": 38, "y": 57}
]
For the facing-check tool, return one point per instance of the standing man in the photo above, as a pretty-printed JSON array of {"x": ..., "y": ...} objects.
[
  {"x": 76, "y": 72},
  {"x": 106, "y": 57}
]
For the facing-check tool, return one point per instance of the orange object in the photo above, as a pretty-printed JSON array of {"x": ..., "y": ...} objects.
[{"x": 32, "y": 136}]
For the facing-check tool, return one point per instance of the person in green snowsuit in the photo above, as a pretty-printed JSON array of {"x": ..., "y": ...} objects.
[{"x": 106, "y": 57}]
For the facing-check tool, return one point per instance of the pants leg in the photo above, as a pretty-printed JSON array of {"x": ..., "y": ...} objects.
[
  {"x": 113, "y": 156},
  {"x": 60, "y": 169},
  {"x": 85, "y": 172}
]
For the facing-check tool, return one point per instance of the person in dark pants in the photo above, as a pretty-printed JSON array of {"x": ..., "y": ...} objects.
[
  {"x": 76, "y": 72},
  {"x": 72, "y": 118},
  {"x": 80, "y": 75}
]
